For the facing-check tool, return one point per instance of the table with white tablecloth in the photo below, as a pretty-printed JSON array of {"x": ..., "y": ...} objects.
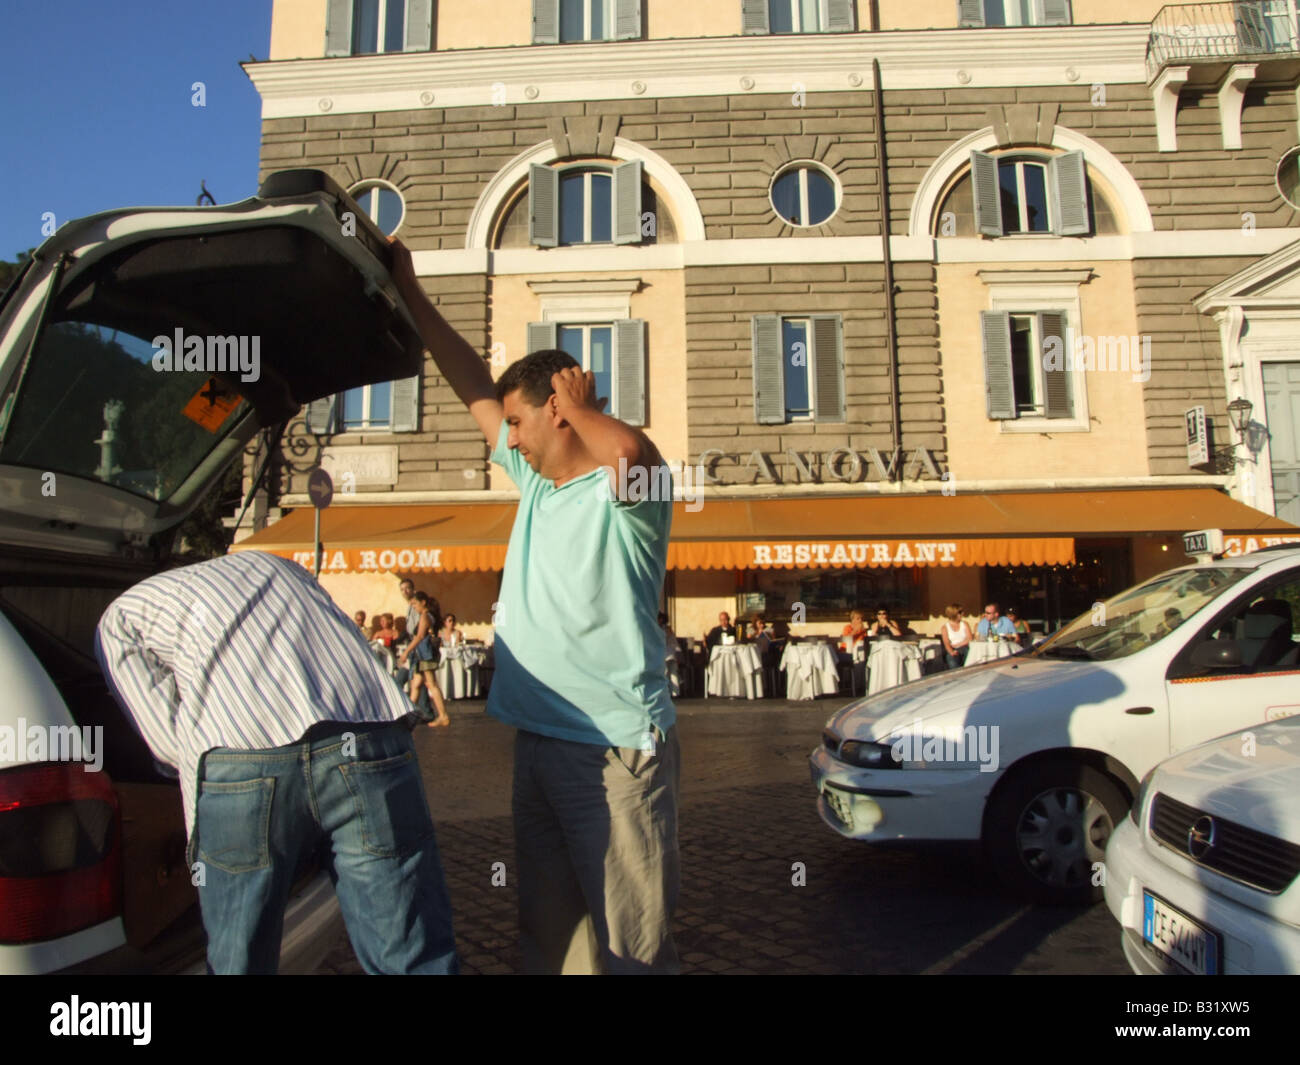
[
  {"x": 989, "y": 651},
  {"x": 891, "y": 663},
  {"x": 458, "y": 671},
  {"x": 810, "y": 670},
  {"x": 735, "y": 671}
]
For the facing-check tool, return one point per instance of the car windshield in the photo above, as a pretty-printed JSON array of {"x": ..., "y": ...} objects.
[
  {"x": 96, "y": 404},
  {"x": 1141, "y": 616}
]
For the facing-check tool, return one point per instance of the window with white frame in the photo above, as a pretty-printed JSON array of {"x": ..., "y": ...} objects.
[
  {"x": 993, "y": 13},
  {"x": 570, "y": 21},
  {"x": 381, "y": 202},
  {"x": 584, "y": 204},
  {"x": 369, "y": 407},
  {"x": 384, "y": 407},
  {"x": 614, "y": 352},
  {"x": 798, "y": 368},
  {"x": 804, "y": 195},
  {"x": 797, "y": 16},
  {"x": 1027, "y": 194},
  {"x": 367, "y": 27}
]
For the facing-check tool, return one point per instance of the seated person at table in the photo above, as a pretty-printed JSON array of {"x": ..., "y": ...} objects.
[
  {"x": 994, "y": 623},
  {"x": 385, "y": 633},
  {"x": 854, "y": 631},
  {"x": 360, "y": 618},
  {"x": 762, "y": 637},
  {"x": 886, "y": 627},
  {"x": 724, "y": 628},
  {"x": 956, "y": 636},
  {"x": 449, "y": 634},
  {"x": 1019, "y": 624}
]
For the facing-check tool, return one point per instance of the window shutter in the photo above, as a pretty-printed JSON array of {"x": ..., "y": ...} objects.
[
  {"x": 546, "y": 21},
  {"x": 839, "y": 16},
  {"x": 769, "y": 374},
  {"x": 419, "y": 25},
  {"x": 627, "y": 20},
  {"x": 1251, "y": 28},
  {"x": 987, "y": 194},
  {"x": 625, "y": 203},
  {"x": 828, "y": 368},
  {"x": 753, "y": 19},
  {"x": 1056, "y": 12},
  {"x": 999, "y": 391},
  {"x": 338, "y": 27},
  {"x": 1068, "y": 177},
  {"x": 970, "y": 12},
  {"x": 629, "y": 357},
  {"x": 542, "y": 336},
  {"x": 320, "y": 415},
  {"x": 543, "y": 206},
  {"x": 406, "y": 405},
  {"x": 1056, "y": 383}
]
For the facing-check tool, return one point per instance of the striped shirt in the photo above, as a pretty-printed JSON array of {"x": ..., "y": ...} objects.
[{"x": 246, "y": 652}]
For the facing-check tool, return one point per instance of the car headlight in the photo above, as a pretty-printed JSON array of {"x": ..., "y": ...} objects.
[
  {"x": 869, "y": 755},
  {"x": 1135, "y": 811}
]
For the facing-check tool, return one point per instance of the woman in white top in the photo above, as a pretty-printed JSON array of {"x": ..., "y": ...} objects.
[
  {"x": 956, "y": 636},
  {"x": 450, "y": 635}
]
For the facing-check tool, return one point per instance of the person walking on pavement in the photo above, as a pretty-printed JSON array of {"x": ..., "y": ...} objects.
[
  {"x": 579, "y": 659},
  {"x": 288, "y": 737}
]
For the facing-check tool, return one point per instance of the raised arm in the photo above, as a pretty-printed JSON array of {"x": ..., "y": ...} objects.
[
  {"x": 457, "y": 361},
  {"x": 606, "y": 439}
]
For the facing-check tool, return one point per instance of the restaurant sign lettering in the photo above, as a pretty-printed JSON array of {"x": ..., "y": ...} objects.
[
  {"x": 843, "y": 464},
  {"x": 862, "y": 553}
]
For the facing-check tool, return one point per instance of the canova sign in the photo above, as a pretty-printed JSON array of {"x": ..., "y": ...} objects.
[{"x": 839, "y": 464}]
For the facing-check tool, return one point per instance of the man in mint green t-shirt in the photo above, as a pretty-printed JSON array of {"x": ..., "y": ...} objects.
[{"x": 579, "y": 657}]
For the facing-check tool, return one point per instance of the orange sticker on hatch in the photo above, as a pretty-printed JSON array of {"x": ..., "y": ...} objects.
[{"x": 211, "y": 405}]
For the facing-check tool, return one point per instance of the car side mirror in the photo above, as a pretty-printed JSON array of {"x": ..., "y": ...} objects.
[{"x": 1217, "y": 654}]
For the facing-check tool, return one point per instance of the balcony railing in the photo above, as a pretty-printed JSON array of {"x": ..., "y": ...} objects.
[{"x": 1189, "y": 32}]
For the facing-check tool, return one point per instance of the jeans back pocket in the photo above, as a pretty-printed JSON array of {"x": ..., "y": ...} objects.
[
  {"x": 391, "y": 805},
  {"x": 233, "y": 824}
]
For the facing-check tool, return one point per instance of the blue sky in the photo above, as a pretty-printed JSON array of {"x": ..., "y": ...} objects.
[{"x": 97, "y": 112}]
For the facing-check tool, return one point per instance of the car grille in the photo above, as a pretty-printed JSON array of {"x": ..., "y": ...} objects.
[{"x": 1254, "y": 858}]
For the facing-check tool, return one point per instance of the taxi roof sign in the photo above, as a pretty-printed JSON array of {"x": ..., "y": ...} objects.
[{"x": 1203, "y": 544}]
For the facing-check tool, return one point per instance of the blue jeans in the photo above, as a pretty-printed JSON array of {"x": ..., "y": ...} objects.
[{"x": 352, "y": 791}]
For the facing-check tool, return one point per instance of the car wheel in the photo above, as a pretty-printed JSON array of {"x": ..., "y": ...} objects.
[{"x": 1046, "y": 831}]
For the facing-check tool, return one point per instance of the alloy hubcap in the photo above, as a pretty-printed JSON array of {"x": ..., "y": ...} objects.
[{"x": 1061, "y": 836}]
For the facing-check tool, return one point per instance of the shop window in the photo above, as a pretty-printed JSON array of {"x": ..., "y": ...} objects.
[
  {"x": 1019, "y": 379},
  {"x": 613, "y": 351},
  {"x": 1017, "y": 194},
  {"x": 829, "y": 595},
  {"x": 367, "y": 27},
  {"x": 584, "y": 205},
  {"x": 1013, "y": 13},
  {"x": 797, "y": 16},
  {"x": 798, "y": 368}
]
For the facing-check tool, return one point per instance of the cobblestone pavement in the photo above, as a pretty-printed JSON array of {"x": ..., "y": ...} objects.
[{"x": 747, "y": 815}]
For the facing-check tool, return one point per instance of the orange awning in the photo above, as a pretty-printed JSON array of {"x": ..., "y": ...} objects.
[{"x": 988, "y": 529}]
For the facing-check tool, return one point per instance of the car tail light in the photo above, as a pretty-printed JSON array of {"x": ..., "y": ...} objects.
[{"x": 60, "y": 851}]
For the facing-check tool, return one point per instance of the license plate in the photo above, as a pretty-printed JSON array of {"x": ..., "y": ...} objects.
[
  {"x": 840, "y": 804},
  {"x": 1196, "y": 948}
]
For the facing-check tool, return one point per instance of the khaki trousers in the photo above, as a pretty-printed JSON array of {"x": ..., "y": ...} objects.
[{"x": 596, "y": 843}]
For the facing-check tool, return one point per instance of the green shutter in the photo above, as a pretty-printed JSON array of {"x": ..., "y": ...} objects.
[
  {"x": 987, "y": 194},
  {"x": 1056, "y": 382},
  {"x": 999, "y": 391},
  {"x": 546, "y": 21},
  {"x": 1252, "y": 30},
  {"x": 629, "y": 360},
  {"x": 419, "y": 25},
  {"x": 1067, "y": 176},
  {"x": 839, "y": 16},
  {"x": 627, "y": 20},
  {"x": 406, "y": 405},
  {"x": 753, "y": 19},
  {"x": 970, "y": 12},
  {"x": 769, "y": 374},
  {"x": 625, "y": 203},
  {"x": 320, "y": 415},
  {"x": 542, "y": 336},
  {"x": 543, "y": 206},
  {"x": 1056, "y": 12},
  {"x": 338, "y": 27},
  {"x": 827, "y": 355}
]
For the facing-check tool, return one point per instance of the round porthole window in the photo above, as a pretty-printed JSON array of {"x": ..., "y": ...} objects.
[
  {"x": 1288, "y": 177},
  {"x": 382, "y": 202},
  {"x": 805, "y": 194}
]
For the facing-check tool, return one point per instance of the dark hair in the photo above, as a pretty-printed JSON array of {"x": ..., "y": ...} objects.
[
  {"x": 882, "y": 609},
  {"x": 532, "y": 375},
  {"x": 435, "y": 611}
]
